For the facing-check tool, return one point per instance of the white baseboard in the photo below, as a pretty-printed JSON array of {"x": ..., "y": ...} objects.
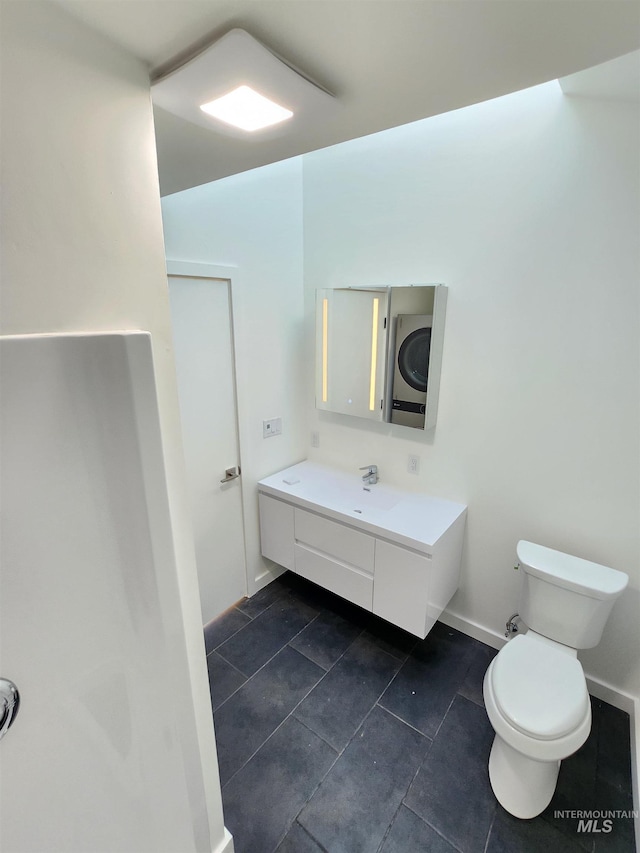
[
  {"x": 610, "y": 694},
  {"x": 472, "y": 629},
  {"x": 226, "y": 845},
  {"x": 270, "y": 574}
]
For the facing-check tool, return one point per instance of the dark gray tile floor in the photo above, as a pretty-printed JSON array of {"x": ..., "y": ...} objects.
[{"x": 338, "y": 732}]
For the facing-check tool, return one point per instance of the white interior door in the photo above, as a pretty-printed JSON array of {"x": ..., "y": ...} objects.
[
  {"x": 98, "y": 757},
  {"x": 203, "y": 343}
]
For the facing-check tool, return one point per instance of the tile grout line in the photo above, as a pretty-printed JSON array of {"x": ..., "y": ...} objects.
[
  {"x": 320, "y": 737},
  {"x": 493, "y": 820},
  {"x": 402, "y": 720},
  {"x": 312, "y": 794},
  {"x": 242, "y": 627},
  {"x": 246, "y": 678},
  {"x": 444, "y": 717},
  {"x": 310, "y": 834},
  {"x": 226, "y": 660},
  {"x": 388, "y": 829},
  {"x": 232, "y": 665},
  {"x": 313, "y": 838},
  {"x": 469, "y": 699},
  {"x": 250, "y": 598},
  {"x": 236, "y": 608},
  {"x": 413, "y": 778},
  {"x": 300, "y": 651},
  {"x": 437, "y": 831}
]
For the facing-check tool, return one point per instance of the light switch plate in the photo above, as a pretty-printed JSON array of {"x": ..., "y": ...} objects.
[{"x": 271, "y": 427}]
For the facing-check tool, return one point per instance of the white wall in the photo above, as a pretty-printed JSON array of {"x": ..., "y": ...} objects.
[
  {"x": 527, "y": 207},
  {"x": 82, "y": 249},
  {"x": 253, "y": 222}
]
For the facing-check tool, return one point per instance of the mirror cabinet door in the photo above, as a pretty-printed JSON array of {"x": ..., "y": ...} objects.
[
  {"x": 351, "y": 351},
  {"x": 416, "y": 320}
]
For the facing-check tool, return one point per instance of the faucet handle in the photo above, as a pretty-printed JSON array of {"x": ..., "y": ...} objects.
[{"x": 371, "y": 468}]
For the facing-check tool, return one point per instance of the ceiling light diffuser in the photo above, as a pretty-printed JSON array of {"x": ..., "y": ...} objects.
[
  {"x": 247, "y": 109},
  {"x": 239, "y": 64}
]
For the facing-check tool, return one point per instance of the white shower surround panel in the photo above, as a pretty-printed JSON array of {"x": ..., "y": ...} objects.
[{"x": 87, "y": 544}]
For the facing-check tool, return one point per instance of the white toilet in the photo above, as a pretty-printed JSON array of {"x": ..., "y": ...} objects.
[{"x": 534, "y": 690}]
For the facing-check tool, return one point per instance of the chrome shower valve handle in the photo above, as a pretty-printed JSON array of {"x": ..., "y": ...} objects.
[{"x": 9, "y": 704}]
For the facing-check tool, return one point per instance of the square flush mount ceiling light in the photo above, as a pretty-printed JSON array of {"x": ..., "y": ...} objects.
[
  {"x": 238, "y": 87},
  {"x": 246, "y": 109}
]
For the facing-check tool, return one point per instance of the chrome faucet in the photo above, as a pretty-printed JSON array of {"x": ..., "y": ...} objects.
[{"x": 371, "y": 477}]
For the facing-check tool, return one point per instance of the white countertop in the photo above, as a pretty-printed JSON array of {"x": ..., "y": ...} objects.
[{"x": 414, "y": 520}]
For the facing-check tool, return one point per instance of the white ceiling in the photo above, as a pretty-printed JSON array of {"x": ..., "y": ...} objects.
[{"x": 388, "y": 62}]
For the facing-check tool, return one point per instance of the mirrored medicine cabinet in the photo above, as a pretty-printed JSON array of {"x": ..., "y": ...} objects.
[{"x": 379, "y": 352}]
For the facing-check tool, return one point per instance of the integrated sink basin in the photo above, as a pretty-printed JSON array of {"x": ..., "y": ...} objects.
[
  {"x": 334, "y": 490},
  {"x": 364, "y": 498},
  {"x": 368, "y": 497}
]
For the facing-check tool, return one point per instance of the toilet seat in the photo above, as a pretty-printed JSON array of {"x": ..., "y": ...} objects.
[{"x": 540, "y": 690}]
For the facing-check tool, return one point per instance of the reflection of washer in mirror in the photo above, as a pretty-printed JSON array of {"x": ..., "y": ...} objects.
[{"x": 411, "y": 369}]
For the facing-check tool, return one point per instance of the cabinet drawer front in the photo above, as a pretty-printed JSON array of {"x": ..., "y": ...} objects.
[
  {"x": 335, "y": 540},
  {"x": 346, "y": 581}
]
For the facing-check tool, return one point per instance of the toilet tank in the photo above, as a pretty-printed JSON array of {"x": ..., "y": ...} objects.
[{"x": 566, "y": 598}]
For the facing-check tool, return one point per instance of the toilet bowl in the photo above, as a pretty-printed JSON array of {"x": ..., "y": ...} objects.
[
  {"x": 535, "y": 691},
  {"x": 536, "y": 699}
]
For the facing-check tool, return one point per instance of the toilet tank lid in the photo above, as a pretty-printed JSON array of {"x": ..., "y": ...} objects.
[{"x": 574, "y": 573}]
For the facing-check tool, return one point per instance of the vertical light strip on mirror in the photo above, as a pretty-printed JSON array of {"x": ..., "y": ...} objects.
[
  {"x": 374, "y": 356},
  {"x": 325, "y": 336}
]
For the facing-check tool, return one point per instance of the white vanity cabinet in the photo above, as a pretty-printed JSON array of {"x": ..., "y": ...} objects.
[{"x": 396, "y": 554}]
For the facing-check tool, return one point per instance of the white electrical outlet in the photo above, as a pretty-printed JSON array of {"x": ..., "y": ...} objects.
[
  {"x": 413, "y": 464},
  {"x": 315, "y": 438}
]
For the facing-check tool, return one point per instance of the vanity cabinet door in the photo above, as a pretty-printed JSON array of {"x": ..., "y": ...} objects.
[
  {"x": 401, "y": 588},
  {"x": 276, "y": 531}
]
